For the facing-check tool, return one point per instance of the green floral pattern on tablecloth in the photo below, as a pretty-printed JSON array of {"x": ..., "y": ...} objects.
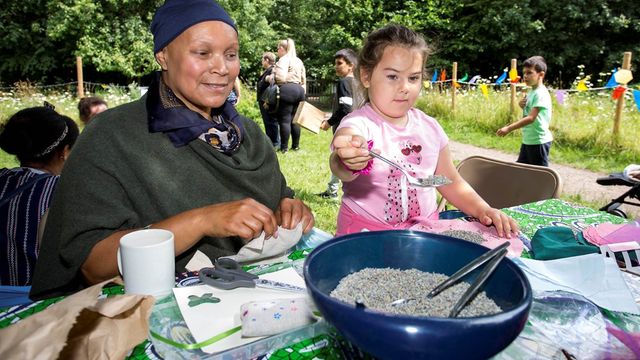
[
  {"x": 318, "y": 347},
  {"x": 14, "y": 314},
  {"x": 555, "y": 212}
]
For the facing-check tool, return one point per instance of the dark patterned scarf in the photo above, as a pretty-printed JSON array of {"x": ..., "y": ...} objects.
[{"x": 169, "y": 115}]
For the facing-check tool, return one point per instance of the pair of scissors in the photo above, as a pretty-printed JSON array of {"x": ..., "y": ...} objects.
[{"x": 227, "y": 274}]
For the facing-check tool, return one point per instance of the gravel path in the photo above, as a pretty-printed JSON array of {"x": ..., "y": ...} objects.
[{"x": 575, "y": 181}]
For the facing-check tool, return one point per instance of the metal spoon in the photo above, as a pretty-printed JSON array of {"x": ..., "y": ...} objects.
[{"x": 429, "y": 181}]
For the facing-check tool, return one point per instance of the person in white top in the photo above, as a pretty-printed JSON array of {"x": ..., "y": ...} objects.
[{"x": 291, "y": 76}]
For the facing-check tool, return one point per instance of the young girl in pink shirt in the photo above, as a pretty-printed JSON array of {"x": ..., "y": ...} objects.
[{"x": 377, "y": 196}]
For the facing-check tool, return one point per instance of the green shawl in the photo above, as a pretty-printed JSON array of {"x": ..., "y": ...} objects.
[{"x": 119, "y": 176}]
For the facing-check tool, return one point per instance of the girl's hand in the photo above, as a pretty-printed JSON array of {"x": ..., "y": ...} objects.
[
  {"x": 505, "y": 225},
  {"x": 291, "y": 212},
  {"x": 351, "y": 150}
]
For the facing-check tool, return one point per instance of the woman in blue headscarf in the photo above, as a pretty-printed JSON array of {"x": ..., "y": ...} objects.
[{"x": 180, "y": 158}]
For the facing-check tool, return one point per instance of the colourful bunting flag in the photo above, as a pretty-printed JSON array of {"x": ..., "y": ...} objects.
[
  {"x": 623, "y": 76},
  {"x": 464, "y": 78},
  {"x": 636, "y": 97},
  {"x": 455, "y": 84},
  {"x": 617, "y": 92},
  {"x": 501, "y": 78},
  {"x": 443, "y": 75},
  {"x": 474, "y": 79},
  {"x": 434, "y": 78},
  {"x": 513, "y": 75},
  {"x": 485, "y": 91},
  {"x": 612, "y": 80},
  {"x": 560, "y": 96},
  {"x": 426, "y": 84},
  {"x": 582, "y": 86}
]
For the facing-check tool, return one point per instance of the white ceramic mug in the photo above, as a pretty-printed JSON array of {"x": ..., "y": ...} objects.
[{"x": 146, "y": 260}]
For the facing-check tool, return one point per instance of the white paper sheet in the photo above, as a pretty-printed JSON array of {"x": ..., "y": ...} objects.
[
  {"x": 210, "y": 319},
  {"x": 593, "y": 276}
]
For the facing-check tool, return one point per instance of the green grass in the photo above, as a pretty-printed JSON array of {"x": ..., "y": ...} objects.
[
  {"x": 307, "y": 172},
  {"x": 582, "y": 128}
]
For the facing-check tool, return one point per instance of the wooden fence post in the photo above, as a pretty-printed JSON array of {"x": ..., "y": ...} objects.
[
  {"x": 626, "y": 64},
  {"x": 514, "y": 101},
  {"x": 80, "y": 77},
  {"x": 454, "y": 81}
]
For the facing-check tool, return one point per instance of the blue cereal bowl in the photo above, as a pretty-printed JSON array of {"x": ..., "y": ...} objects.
[{"x": 388, "y": 336}]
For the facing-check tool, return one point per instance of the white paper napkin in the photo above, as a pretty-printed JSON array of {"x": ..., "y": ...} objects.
[
  {"x": 593, "y": 276},
  {"x": 260, "y": 248}
]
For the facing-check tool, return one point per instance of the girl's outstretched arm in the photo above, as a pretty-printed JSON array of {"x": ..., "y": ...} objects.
[
  {"x": 462, "y": 196},
  {"x": 350, "y": 154}
]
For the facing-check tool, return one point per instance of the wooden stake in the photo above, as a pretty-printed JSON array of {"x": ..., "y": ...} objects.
[
  {"x": 454, "y": 81},
  {"x": 514, "y": 100},
  {"x": 80, "y": 77},
  {"x": 626, "y": 64}
]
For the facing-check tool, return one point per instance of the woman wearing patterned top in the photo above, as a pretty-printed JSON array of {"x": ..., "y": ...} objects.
[{"x": 41, "y": 139}]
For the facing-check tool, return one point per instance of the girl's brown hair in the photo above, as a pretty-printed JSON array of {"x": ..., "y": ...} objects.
[{"x": 373, "y": 49}]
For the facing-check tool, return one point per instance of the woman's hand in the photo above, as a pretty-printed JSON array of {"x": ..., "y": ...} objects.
[
  {"x": 270, "y": 79},
  {"x": 505, "y": 225},
  {"x": 292, "y": 212},
  {"x": 245, "y": 218}
]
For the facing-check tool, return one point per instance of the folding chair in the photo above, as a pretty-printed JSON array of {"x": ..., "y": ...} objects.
[{"x": 504, "y": 184}]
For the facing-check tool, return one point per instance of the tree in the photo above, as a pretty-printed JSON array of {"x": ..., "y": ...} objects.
[
  {"x": 26, "y": 52},
  {"x": 487, "y": 34},
  {"x": 42, "y": 37},
  {"x": 254, "y": 33},
  {"x": 112, "y": 35}
]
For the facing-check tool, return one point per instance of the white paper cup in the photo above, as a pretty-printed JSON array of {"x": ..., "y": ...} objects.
[{"x": 146, "y": 260}]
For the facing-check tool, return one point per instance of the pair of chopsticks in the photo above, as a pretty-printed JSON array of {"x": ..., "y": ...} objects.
[{"x": 493, "y": 257}]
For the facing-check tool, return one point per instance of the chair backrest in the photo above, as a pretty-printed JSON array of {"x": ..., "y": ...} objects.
[{"x": 503, "y": 183}]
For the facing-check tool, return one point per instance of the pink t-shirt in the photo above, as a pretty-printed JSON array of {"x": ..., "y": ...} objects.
[{"x": 381, "y": 197}]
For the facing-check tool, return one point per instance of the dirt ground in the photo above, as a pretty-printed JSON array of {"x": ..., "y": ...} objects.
[{"x": 575, "y": 181}]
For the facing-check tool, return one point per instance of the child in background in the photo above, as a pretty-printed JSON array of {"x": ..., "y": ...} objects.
[
  {"x": 377, "y": 196},
  {"x": 536, "y": 136},
  {"x": 344, "y": 61},
  {"x": 88, "y": 107}
]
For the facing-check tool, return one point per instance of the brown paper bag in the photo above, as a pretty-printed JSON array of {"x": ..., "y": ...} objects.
[
  {"x": 81, "y": 327},
  {"x": 309, "y": 117}
]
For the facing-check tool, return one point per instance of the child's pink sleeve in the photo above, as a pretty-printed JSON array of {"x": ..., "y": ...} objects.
[{"x": 357, "y": 123}]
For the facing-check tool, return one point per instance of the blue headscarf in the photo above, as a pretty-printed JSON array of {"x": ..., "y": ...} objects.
[{"x": 175, "y": 16}]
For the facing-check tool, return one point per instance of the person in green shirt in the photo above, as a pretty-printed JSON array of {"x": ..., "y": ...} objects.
[{"x": 536, "y": 136}]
